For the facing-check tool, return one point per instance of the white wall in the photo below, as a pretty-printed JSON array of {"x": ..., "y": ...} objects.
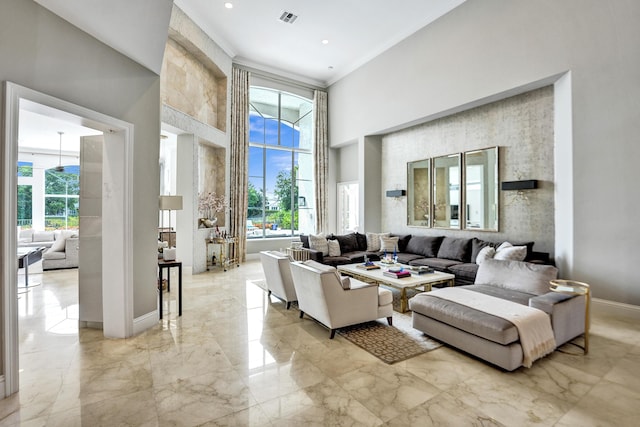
[
  {"x": 488, "y": 49},
  {"x": 41, "y": 51}
]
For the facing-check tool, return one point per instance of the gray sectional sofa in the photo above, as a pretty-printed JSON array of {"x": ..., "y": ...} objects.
[
  {"x": 447, "y": 254},
  {"x": 488, "y": 336}
]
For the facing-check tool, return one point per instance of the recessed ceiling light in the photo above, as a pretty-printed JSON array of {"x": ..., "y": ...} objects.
[
  {"x": 325, "y": 41},
  {"x": 330, "y": 67},
  {"x": 228, "y": 5}
]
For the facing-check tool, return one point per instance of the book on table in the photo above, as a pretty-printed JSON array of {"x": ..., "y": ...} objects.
[
  {"x": 397, "y": 274},
  {"x": 368, "y": 266},
  {"x": 418, "y": 270}
]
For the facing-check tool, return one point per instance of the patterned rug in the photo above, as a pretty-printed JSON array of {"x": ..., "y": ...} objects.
[{"x": 391, "y": 344}]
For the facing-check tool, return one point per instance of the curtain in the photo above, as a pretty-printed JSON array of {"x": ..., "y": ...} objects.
[
  {"x": 239, "y": 159},
  {"x": 321, "y": 153}
]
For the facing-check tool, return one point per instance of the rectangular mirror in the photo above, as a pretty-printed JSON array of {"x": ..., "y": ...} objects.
[
  {"x": 481, "y": 189},
  {"x": 418, "y": 195},
  {"x": 446, "y": 191}
]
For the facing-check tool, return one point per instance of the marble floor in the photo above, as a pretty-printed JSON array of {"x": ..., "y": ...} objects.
[{"x": 236, "y": 357}]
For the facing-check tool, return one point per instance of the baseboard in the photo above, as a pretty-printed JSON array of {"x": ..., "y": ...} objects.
[
  {"x": 613, "y": 308},
  {"x": 144, "y": 322}
]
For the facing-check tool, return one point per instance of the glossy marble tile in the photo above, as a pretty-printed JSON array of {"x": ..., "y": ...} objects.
[{"x": 237, "y": 357}]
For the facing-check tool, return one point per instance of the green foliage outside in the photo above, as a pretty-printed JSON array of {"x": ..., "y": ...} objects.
[
  {"x": 283, "y": 191},
  {"x": 24, "y": 204},
  {"x": 255, "y": 201}
]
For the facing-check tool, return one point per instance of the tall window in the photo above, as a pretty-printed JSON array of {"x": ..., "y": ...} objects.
[
  {"x": 280, "y": 164},
  {"x": 61, "y": 199}
]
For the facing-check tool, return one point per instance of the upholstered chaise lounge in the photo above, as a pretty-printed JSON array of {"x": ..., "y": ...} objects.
[
  {"x": 277, "y": 272},
  {"x": 337, "y": 301},
  {"x": 460, "y": 324}
]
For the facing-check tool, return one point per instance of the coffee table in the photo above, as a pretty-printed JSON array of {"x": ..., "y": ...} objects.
[
  {"x": 26, "y": 257},
  {"x": 424, "y": 281}
]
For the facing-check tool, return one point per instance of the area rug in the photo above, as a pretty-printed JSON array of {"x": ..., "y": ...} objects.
[{"x": 391, "y": 344}]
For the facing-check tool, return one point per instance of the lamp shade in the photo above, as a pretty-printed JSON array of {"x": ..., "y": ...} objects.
[{"x": 170, "y": 203}]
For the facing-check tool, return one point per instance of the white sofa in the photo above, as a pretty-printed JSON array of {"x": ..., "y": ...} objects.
[
  {"x": 30, "y": 238},
  {"x": 63, "y": 253},
  {"x": 277, "y": 272},
  {"x": 490, "y": 337},
  {"x": 337, "y": 301}
]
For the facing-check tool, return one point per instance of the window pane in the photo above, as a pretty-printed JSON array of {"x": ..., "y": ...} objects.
[
  {"x": 25, "y": 169},
  {"x": 24, "y": 205},
  {"x": 255, "y": 162}
]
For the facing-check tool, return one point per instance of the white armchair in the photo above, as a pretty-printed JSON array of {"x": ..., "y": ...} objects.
[
  {"x": 277, "y": 271},
  {"x": 323, "y": 295}
]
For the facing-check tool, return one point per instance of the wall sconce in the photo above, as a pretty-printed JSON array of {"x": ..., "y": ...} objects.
[
  {"x": 396, "y": 193},
  {"x": 529, "y": 184}
]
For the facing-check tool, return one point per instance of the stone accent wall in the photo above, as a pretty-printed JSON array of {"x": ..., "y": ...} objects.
[
  {"x": 212, "y": 174},
  {"x": 193, "y": 87},
  {"x": 522, "y": 126}
]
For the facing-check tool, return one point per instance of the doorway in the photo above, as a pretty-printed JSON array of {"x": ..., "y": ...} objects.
[{"x": 117, "y": 245}]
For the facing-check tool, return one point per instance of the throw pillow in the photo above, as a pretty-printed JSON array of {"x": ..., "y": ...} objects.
[
  {"x": 424, "y": 245},
  {"x": 348, "y": 242},
  {"x": 318, "y": 242},
  {"x": 346, "y": 283},
  {"x": 58, "y": 244},
  {"x": 485, "y": 253},
  {"x": 334, "y": 247},
  {"x": 373, "y": 241},
  {"x": 389, "y": 244},
  {"x": 512, "y": 253},
  {"x": 455, "y": 249}
]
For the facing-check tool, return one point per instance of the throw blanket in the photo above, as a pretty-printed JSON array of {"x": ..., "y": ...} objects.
[{"x": 534, "y": 326}]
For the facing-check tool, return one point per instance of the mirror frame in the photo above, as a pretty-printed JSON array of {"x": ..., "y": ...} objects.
[
  {"x": 445, "y": 215},
  {"x": 489, "y": 182},
  {"x": 419, "y": 193}
]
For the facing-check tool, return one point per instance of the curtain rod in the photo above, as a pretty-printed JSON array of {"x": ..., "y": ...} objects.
[{"x": 278, "y": 79}]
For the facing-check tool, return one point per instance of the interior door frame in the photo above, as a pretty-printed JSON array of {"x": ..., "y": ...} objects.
[{"x": 117, "y": 242}]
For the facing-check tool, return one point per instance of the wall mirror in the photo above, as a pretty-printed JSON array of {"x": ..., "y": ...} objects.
[
  {"x": 419, "y": 196},
  {"x": 446, "y": 191},
  {"x": 481, "y": 189}
]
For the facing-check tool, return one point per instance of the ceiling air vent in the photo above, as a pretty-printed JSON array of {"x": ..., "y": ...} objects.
[{"x": 288, "y": 17}]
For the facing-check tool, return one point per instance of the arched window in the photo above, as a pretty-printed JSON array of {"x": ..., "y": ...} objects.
[{"x": 280, "y": 164}]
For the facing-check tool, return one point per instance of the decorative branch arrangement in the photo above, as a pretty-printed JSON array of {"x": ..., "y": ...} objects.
[{"x": 210, "y": 204}]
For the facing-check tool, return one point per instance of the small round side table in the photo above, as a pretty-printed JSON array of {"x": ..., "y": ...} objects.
[{"x": 571, "y": 287}]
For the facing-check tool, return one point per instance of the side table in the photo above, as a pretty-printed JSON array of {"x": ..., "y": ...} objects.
[
  {"x": 298, "y": 254},
  {"x": 227, "y": 252},
  {"x": 571, "y": 287},
  {"x": 162, "y": 264}
]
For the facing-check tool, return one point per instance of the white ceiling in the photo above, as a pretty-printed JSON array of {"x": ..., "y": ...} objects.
[
  {"x": 252, "y": 34},
  {"x": 357, "y": 31}
]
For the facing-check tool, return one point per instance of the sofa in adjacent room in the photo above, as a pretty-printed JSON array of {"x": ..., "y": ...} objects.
[
  {"x": 483, "y": 333},
  {"x": 63, "y": 253}
]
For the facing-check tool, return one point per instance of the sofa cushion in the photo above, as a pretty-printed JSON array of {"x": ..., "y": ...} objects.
[
  {"x": 507, "y": 251},
  {"x": 406, "y": 257},
  {"x": 305, "y": 241},
  {"x": 334, "y": 247},
  {"x": 403, "y": 241},
  {"x": 25, "y": 235},
  {"x": 348, "y": 242},
  {"x": 424, "y": 245},
  {"x": 43, "y": 236},
  {"x": 373, "y": 241},
  {"x": 455, "y": 249},
  {"x": 484, "y": 254},
  {"x": 473, "y": 321},
  {"x": 439, "y": 264},
  {"x": 477, "y": 245},
  {"x": 59, "y": 244},
  {"x": 318, "y": 242},
  {"x": 389, "y": 244},
  {"x": 467, "y": 271},
  {"x": 362, "y": 241},
  {"x": 516, "y": 275}
]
